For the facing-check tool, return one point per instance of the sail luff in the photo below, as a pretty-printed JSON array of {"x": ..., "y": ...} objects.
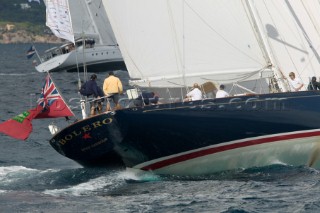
[
  {"x": 266, "y": 47},
  {"x": 70, "y": 19}
]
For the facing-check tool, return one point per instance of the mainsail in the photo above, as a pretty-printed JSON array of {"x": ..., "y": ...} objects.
[
  {"x": 170, "y": 43},
  {"x": 89, "y": 19},
  {"x": 186, "y": 41}
]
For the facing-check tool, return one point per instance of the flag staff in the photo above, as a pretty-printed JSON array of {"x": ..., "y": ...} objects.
[{"x": 35, "y": 49}]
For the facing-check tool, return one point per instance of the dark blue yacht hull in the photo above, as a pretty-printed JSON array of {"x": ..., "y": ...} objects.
[{"x": 202, "y": 137}]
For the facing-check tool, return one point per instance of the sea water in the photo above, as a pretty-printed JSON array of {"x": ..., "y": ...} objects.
[{"x": 35, "y": 178}]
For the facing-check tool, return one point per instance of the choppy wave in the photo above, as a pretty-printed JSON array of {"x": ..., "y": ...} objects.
[
  {"x": 3, "y": 191},
  {"x": 18, "y": 74},
  {"x": 89, "y": 187},
  {"x": 32, "y": 185},
  {"x": 265, "y": 188},
  {"x": 15, "y": 173},
  {"x": 273, "y": 172},
  {"x": 23, "y": 178}
]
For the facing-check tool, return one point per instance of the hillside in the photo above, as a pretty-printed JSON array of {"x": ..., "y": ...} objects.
[
  {"x": 27, "y": 20},
  {"x": 11, "y": 11}
]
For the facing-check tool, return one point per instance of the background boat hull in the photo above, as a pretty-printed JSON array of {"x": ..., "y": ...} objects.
[{"x": 99, "y": 58}]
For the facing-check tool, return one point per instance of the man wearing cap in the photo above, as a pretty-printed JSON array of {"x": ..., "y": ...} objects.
[
  {"x": 314, "y": 85},
  {"x": 91, "y": 88}
]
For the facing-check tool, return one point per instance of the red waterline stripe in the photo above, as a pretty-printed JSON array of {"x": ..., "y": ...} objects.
[{"x": 209, "y": 151}]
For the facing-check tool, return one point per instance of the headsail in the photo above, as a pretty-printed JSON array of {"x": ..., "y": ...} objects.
[{"x": 58, "y": 19}]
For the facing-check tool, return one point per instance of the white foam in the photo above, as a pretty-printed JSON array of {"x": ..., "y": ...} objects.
[
  {"x": 138, "y": 175},
  {"x": 3, "y": 191},
  {"x": 85, "y": 188},
  {"x": 12, "y": 173}
]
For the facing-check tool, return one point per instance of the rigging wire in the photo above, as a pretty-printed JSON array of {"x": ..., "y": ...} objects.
[
  {"x": 217, "y": 33},
  {"x": 312, "y": 19},
  {"x": 180, "y": 60},
  {"x": 109, "y": 32},
  {"x": 284, "y": 42},
  {"x": 279, "y": 76}
]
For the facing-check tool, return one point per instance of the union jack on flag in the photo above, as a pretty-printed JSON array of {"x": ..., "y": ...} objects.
[
  {"x": 20, "y": 126},
  {"x": 49, "y": 94},
  {"x": 51, "y": 102}
]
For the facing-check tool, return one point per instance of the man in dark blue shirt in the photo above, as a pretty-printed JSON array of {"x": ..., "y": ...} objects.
[
  {"x": 314, "y": 85},
  {"x": 90, "y": 88},
  {"x": 147, "y": 97}
]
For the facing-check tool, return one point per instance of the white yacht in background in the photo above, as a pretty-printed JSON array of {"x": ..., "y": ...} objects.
[{"x": 95, "y": 44}]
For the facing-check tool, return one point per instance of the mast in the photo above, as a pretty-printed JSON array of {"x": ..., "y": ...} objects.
[
  {"x": 82, "y": 101},
  {"x": 266, "y": 48},
  {"x": 183, "y": 46}
]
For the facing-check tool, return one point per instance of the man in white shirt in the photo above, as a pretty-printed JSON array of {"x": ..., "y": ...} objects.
[
  {"x": 195, "y": 94},
  {"x": 221, "y": 93},
  {"x": 295, "y": 83}
]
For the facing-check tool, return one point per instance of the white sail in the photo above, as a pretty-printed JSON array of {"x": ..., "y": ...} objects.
[
  {"x": 90, "y": 24},
  {"x": 170, "y": 43},
  {"x": 88, "y": 17},
  {"x": 58, "y": 19},
  {"x": 185, "y": 41},
  {"x": 292, "y": 31}
]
